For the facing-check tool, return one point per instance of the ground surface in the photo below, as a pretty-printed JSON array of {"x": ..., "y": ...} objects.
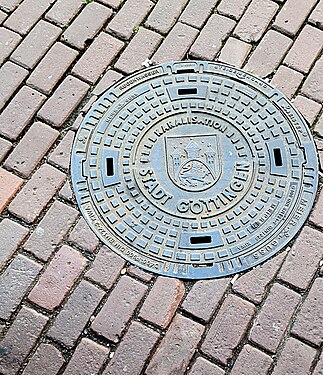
[{"x": 67, "y": 304}]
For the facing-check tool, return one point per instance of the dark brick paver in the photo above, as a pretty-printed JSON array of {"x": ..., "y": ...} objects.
[{"x": 68, "y": 304}]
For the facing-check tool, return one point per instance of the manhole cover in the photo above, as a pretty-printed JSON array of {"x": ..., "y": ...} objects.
[{"x": 194, "y": 169}]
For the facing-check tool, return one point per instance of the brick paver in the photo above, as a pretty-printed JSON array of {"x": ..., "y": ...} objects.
[
  {"x": 15, "y": 282},
  {"x": 133, "y": 351},
  {"x": 255, "y": 20},
  {"x": 88, "y": 358},
  {"x": 52, "y": 67},
  {"x": 65, "y": 99},
  {"x": 58, "y": 278},
  {"x": 46, "y": 360},
  {"x": 35, "y": 195},
  {"x": 101, "y": 314},
  {"x": 117, "y": 311},
  {"x": 184, "y": 335},
  {"x": 11, "y": 234},
  {"x": 50, "y": 231},
  {"x": 204, "y": 298},
  {"x": 273, "y": 319},
  {"x": 228, "y": 328},
  {"x": 25, "y": 157},
  {"x": 162, "y": 301},
  {"x": 9, "y": 184},
  {"x": 71, "y": 321},
  {"x": 36, "y": 44},
  {"x": 251, "y": 361},
  {"x": 20, "y": 111},
  {"x": 86, "y": 25},
  {"x": 28, "y": 324},
  {"x": 296, "y": 358}
]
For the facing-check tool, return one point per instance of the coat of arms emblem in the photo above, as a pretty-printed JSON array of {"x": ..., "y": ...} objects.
[{"x": 193, "y": 162}]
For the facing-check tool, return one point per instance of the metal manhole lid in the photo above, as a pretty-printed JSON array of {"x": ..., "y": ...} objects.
[{"x": 194, "y": 169}]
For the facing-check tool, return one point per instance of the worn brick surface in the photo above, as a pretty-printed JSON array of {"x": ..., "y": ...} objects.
[
  {"x": 176, "y": 44},
  {"x": 287, "y": 80},
  {"x": 233, "y": 8},
  {"x": 5, "y": 147},
  {"x": 9, "y": 185},
  {"x": 254, "y": 283},
  {"x": 255, "y": 20},
  {"x": 209, "y": 42},
  {"x": 9, "y": 5},
  {"x": 203, "y": 367},
  {"x": 177, "y": 346},
  {"x": 140, "y": 48},
  {"x": 109, "y": 78},
  {"x": 292, "y": 15},
  {"x": 162, "y": 301},
  {"x": 84, "y": 237},
  {"x": 27, "y": 14},
  {"x": 25, "y": 157},
  {"x": 71, "y": 321},
  {"x": 46, "y": 360},
  {"x": 296, "y": 358},
  {"x": 58, "y": 278},
  {"x": 8, "y": 42},
  {"x": 305, "y": 49},
  {"x": 61, "y": 154},
  {"x": 313, "y": 86},
  {"x": 28, "y": 324},
  {"x": 52, "y": 67},
  {"x": 308, "y": 108},
  {"x": 35, "y": 195},
  {"x": 36, "y": 44},
  {"x": 66, "y": 192},
  {"x": 20, "y": 111},
  {"x": 112, "y": 3},
  {"x": 86, "y": 25},
  {"x": 235, "y": 52},
  {"x": 303, "y": 259},
  {"x": 62, "y": 103},
  {"x": 63, "y": 11},
  {"x": 117, "y": 311},
  {"x": 15, "y": 282},
  {"x": 267, "y": 56},
  {"x": 97, "y": 57},
  {"x": 165, "y": 14},
  {"x": 273, "y": 319},
  {"x": 87, "y": 358},
  {"x": 129, "y": 17},
  {"x": 11, "y": 76},
  {"x": 197, "y": 12},
  {"x": 251, "y": 361},
  {"x": 140, "y": 273},
  {"x": 309, "y": 321},
  {"x": 133, "y": 351},
  {"x": 11, "y": 234},
  {"x": 228, "y": 328},
  {"x": 3, "y": 17},
  {"x": 316, "y": 17},
  {"x": 204, "y": 297},
  {"x": 51, "y": 230},
  {"x": 106, "y": 267}
]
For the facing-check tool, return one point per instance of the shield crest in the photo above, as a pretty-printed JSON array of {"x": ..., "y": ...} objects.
[{"x": 193, "y": 162}]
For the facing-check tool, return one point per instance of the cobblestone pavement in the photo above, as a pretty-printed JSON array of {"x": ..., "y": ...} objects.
[{"x": 68, "y": 304}]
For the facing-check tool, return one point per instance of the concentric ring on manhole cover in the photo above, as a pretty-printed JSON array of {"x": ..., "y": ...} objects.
[{"x": 194, "y": 169}]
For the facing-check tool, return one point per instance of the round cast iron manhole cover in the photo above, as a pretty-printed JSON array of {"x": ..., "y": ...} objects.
[{"x": 194, "y": 169}]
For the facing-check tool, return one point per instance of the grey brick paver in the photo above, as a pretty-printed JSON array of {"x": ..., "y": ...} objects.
[{"x": 8, "y": 42}]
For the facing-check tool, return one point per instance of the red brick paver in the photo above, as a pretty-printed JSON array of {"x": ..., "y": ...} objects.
[{"x": 70, "y": 305}]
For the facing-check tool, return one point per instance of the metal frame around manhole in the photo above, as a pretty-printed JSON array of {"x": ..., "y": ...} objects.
[{"x": 194, "y": 169}]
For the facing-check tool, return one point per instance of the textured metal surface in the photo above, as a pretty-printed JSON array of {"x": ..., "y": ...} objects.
[{"x": 194, "y": 169}]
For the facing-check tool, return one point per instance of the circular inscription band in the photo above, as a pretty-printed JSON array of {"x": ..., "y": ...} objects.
[{"x": 194, "y": 169}]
